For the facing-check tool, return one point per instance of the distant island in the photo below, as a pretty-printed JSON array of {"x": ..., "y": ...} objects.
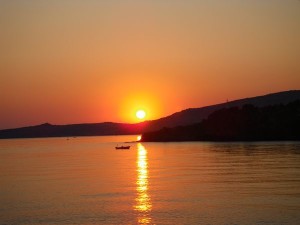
[{"x": 216, "y": 122}]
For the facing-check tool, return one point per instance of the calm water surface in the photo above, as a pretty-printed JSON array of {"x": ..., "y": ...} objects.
[{"x": 86, "y": 181}]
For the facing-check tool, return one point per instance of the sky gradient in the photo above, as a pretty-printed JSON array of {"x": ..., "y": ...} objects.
[{"x": 75, "y": 61}]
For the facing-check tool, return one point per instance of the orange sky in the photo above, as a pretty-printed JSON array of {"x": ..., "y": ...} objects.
[{"x": 92, "y": 61}]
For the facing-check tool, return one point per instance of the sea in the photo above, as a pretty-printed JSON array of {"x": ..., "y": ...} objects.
[{"x": 85, "y": 180}]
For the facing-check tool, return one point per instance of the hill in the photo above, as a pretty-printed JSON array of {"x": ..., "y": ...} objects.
[
  {"x": 93, "y": 129},
  {"x": 196, "y": 115},
  {"x": 183, "y": 118},
  {"x": 246, "y": 123}
]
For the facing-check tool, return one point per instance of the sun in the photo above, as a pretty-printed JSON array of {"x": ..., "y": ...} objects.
[{"x": 140, "y": 114}]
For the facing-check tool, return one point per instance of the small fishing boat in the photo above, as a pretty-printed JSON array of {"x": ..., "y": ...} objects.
[{"x": 123, "y": 147}]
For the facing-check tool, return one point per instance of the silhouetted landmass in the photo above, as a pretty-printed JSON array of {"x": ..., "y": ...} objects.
[
  {"x": 196, "y": 115},
  {"x": 96, "y": 129},
  {"x": 246, "y": 123},
  {"x": 183, "y": 118}
]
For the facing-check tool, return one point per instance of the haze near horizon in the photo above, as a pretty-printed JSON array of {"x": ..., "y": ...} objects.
[{"x": 93, "y": 61}]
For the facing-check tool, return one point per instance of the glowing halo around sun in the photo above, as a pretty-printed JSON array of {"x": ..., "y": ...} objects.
[{"x": 140, "y": 114}]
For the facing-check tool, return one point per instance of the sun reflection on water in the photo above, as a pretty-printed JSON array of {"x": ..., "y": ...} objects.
[{"x": 143, "y": 200}]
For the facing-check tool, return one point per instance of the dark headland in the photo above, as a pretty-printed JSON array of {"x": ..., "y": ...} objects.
[
  {"x": 247, "y": 123},
  {"x": 269, "y": 117}
]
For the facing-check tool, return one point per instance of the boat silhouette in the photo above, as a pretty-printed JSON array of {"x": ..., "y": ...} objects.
[{"x": 123, "y": 147}]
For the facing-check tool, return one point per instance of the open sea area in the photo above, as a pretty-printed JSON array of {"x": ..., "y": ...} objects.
[{"x": 85, "y": 180}]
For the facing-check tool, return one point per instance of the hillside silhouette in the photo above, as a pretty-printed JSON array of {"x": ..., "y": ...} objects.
[
  {"x": 93, "y": 129},
  {"x": 246, "y": 123},
  {"x": 196, "y": 115},
  {"x": 182, "y": 118}
]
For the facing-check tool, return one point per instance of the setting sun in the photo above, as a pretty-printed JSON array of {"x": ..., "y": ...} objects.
[{"x": 141, "y": 114}]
